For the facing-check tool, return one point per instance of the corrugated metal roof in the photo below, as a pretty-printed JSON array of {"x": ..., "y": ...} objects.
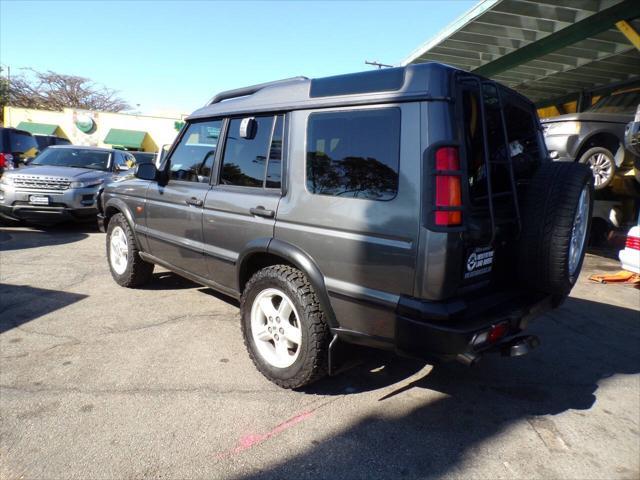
[{"x": 587, "y": 56}]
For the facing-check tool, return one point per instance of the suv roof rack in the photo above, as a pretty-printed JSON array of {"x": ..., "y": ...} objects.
[{"x": 244, "y": 91}]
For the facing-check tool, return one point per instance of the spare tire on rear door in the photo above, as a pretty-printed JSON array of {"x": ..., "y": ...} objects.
[{"x": 556, "y": 218}]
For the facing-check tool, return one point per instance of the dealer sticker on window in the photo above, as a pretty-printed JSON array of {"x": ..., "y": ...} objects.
[{"x": 479, "y": 262}]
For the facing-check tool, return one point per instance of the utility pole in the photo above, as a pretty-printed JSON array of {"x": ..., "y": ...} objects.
[{"x": 377, "y": 64}]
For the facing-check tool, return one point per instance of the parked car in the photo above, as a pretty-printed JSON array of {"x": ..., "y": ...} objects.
[
  {"x": 369, "y": 208},
  {"x": 62, "y": 182},
  {"x": 632, "y": 141},
  {"x": 630, "y": 255},
  {"x": 16, "y": 146},
  {"x": 144, "y": 157},
  {"x": 45, "y": 141},
  {"x": 595, "y": 137}
]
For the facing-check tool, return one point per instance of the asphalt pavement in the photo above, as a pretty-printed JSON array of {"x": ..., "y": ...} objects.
[{"x": 102, "y": 382}]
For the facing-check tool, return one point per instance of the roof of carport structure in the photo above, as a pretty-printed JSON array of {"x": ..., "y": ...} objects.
[{"x": 543, "y": 49}]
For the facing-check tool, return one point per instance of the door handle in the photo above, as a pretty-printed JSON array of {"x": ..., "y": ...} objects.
[
  {"x": 260, "y": 211},
  {"x": 196, "y": 202}
]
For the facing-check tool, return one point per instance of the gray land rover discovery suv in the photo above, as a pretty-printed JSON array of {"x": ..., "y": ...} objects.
[{"x": 413, "y": 209}]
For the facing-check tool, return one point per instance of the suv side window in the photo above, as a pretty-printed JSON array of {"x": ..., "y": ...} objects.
[
  {"x": 20, "y": 142},
  {"x": 244, "y": 160},
  {"x": 355, "y": 154},
  {"x": 192, "y": 159},
  {"x": 119, "y": 160}
]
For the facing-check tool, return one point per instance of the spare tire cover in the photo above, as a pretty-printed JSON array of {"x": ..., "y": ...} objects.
[{"x": 556, "y": 219}]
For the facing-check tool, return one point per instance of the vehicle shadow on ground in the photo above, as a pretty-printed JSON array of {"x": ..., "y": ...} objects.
[
  {"x": 167, "y": 280},
  {"x": 20, "y": 304},
  {"x": 32, "y": 236},
  {"x": 584, "y": 343}
]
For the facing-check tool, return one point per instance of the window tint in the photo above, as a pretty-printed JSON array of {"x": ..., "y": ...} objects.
[
  {"x": 22, "y": 143},
  {"x": 498, "y": 155},
  {"x": 119, "y": 159},
  {"x": 192, "y": 159},
  {"x": 274, "y": 166},
  {"x": 354, "y": 154},
  {"x": 620, "y": 103},
  {"x": 245, "y": 159}
]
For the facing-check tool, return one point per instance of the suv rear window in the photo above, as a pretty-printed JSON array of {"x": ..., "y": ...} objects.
[
  {"x": 354, "y": 154},
  {"x": 21, "y": 142}
]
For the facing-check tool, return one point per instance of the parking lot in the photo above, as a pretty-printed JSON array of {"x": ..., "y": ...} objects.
[{"x": 97, "y": 381}]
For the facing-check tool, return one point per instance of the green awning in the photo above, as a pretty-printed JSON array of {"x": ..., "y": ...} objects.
[
  {"x": 125, "y": 138},
  {"x": 38, "y": 128}
]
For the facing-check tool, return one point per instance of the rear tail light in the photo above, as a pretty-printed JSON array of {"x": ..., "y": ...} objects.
[
  {"x": 633, "y": 242},
  {"x": 6, "y": 161},
  {"x": 448, "y": 189},
  {"x": 497, "y": 332}
]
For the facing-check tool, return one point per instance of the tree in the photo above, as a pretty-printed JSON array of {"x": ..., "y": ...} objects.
[
  {"x": 4, "y": 94},
  {"x": 55, "y": 91}
]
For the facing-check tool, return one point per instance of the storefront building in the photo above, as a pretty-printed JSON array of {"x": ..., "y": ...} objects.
[{"x": 101, "y": 129}]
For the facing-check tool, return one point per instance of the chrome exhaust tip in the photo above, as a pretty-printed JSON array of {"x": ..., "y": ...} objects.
[{"x": 468, "y": 358}]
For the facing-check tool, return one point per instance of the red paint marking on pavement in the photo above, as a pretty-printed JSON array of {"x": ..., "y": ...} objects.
[{"x": 249, "y": 441}]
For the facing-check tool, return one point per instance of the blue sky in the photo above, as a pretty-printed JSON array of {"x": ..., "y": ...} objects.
[{"x": 175, "y": 55}]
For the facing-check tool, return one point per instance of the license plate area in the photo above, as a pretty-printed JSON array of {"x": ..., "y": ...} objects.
[
  {"x": 478, "y": 262},
  {"x": 39, "y": 199}
]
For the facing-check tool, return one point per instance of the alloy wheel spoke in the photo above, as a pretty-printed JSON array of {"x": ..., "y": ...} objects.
[
  {"x": 282, "y": 350},
  {"x": 292, "y": 334},
  {"x": 263, "y": 334},
  {"x": 266, "y": 305},
  {"x": 284, "y": 311}
]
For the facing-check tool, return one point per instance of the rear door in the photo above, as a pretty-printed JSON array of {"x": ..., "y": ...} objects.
[
  {"x": 241, "y": 206},
  {"x": 174, "y": 211}
]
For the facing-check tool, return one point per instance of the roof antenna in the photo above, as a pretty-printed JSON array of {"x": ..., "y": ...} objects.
[{"x": 377, "y": 64}]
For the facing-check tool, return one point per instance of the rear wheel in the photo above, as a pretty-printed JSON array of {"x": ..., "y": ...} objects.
[
  {"x": 556, "y": 221},
  {"x": 284, "y": 328},
  {"x": 602, "y": 165},
  {"x": 127, "y": 267}
]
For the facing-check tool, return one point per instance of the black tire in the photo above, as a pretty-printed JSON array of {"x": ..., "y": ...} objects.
[
  {"x": 312, "y": 361},
  {"x": 548, "y": 215},
  {"x": 137, "y": 271},
  {"x": 602, "y": 176}
]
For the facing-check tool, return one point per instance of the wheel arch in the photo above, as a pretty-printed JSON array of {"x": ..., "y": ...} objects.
[
  {"x": 114, "y": 206},
  {"x": 605, "y": 139},
  {"x": 262, "y": 253}
]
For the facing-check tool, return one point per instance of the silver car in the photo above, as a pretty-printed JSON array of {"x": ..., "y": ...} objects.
[{"x": 61, "y": 183}]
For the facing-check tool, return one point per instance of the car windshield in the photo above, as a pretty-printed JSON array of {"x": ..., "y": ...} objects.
[
  {"x": 620, "y": 103},
  {"x": 74, "y": 157}
]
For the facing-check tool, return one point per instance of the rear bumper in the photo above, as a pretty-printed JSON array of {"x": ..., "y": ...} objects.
[
  {"x": 449, "y": 330},
  {"x": 630, "y": 260}
]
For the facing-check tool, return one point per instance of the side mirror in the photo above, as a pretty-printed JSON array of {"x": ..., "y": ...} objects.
[
  {"x": 248, "y": 128},
  {"x": 146, "y": 171}
]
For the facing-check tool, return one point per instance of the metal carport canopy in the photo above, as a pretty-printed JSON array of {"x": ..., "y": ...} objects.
[{"x": 545, "y": 49}]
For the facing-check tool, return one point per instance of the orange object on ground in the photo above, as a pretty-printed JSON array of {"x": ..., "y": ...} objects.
[{"x": 619, "y": 277}]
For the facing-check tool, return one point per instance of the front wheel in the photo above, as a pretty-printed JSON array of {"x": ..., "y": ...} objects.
[
  {"x": 602, "y": 165},
  {"x": 127, "y": 267},
  {"x": 284, "y": 328}
]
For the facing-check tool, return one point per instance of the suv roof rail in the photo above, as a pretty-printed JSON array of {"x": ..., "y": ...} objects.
[{"x": 244, "y": 91}]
